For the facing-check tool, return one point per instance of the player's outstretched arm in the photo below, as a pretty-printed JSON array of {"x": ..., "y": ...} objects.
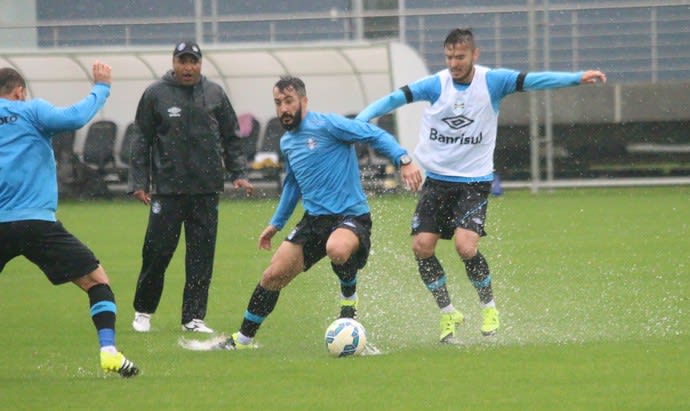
[{"x": 592, "y": 76}]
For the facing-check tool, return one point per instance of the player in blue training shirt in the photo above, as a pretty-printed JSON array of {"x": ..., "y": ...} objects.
[
  {"x": 456, "y": 147},
  {"x": 322, "y": 169},
  {"x": 29, "y": 199}
]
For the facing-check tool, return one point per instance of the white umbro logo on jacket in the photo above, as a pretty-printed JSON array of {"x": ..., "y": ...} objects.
[{"x": 174, "y": 111}]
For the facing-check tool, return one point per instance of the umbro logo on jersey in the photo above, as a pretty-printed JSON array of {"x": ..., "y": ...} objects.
[
  {"x": 8, "y": 119},
  {"x": 311, "y": 143},
  {"x": 174, "y": 111},
  {"x": 458, "y": 122}
]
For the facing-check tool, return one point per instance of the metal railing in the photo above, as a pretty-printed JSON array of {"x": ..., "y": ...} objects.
[{"x": 633, "y": 41}]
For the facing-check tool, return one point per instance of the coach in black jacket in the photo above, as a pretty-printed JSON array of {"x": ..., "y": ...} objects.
[{"x": 187, "y": 138}]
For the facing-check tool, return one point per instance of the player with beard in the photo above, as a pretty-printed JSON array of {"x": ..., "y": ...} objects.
[
  {"x": 322, "y": 169},
  {"x": 456, "y": 147}
]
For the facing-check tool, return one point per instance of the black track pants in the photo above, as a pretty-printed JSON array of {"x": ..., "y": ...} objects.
[{"x": 199, "y": 215}]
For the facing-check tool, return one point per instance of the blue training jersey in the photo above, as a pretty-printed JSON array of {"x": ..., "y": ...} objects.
[
  {"x": 28, "y": 179},
  {"x": 322, "y": 167}
]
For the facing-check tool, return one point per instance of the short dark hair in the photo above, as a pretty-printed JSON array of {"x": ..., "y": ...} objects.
[
  {"x": 294, "y": 83},
  {"x": 9, "y": 80},
  {"x": 461, "y": 35}
]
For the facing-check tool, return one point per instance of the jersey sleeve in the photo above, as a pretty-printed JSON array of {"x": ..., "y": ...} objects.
[
  {"x": 382, "y": 106},
  {"x": 551, "y": 79},
  {"x": 424, "y": 89},
  {"x": 74, "y": 116},
  {"x": 289, "y": 197},
  {"x": 502, "y": 82},
  {"x": 380, "y": 140}
]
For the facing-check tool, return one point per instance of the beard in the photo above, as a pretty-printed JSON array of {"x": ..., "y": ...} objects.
[
  {"x": 296, "y": 120},
  {"x": 463, "y": 77}
]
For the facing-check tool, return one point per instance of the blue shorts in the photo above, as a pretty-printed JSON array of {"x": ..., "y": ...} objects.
[{"x": 59, "y": 254}]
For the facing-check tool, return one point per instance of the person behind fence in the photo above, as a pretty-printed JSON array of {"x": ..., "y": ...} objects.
[
  {"x": 322, "y": 169},
  {"x": 456, "y": 146},
  {"x": 187, "y": 138},
  {"x": 29, "y": 199}
]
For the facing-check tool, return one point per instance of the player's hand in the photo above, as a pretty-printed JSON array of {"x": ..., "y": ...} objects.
[
  {"x": 411, "y": 176},
  {"x": 245, "y": 184},
  {"x": 592, "y": 76},
  {"x": 266, "y": 236},
  {"x": 142, "y": 196},
  {"x": 101, "y": 72}
]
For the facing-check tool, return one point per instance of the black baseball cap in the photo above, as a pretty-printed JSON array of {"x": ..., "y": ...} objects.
[{"x": 187, "y": 47}]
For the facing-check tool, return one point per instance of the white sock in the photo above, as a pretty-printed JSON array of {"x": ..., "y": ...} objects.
[
  {"x": 243, "y": 339},
  {"x": 448, "y": 309},
  {"x": 491, "y": 304},
  {"x": 353, "y": 297},
  {"x": 109, "y": 348}
]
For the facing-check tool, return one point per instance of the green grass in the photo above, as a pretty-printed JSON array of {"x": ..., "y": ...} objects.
[{"x": 592, "y": 286}]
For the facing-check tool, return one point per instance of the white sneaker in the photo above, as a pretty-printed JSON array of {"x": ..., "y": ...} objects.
[
  {"x": 142, "y": 322},
  {"x": 197, "y": 326}
]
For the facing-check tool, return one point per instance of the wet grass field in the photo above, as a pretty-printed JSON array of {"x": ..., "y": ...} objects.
[{"x": 592, "y": 284}]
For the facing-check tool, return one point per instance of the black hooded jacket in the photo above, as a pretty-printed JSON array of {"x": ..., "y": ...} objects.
[{"x": 186, "y": 136}]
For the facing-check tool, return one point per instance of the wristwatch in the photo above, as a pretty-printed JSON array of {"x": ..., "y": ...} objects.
[{"x": 405, "y": 160}]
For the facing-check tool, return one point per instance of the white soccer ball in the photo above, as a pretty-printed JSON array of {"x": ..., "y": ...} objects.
[{"x": 345, "y": 337}]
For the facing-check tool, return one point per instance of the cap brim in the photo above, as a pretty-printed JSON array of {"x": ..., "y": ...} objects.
[{"x": 187, "y": 52}]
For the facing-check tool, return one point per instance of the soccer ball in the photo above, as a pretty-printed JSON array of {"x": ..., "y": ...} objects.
[{"x": 345, "y": 337}]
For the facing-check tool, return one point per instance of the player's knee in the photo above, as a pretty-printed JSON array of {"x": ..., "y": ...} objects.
[
  {"x": 99, "y": 274},
  {"x": 422, "y": 250},
  {"x": 274, "y": 278},
  {"x": 271, "y": 283},
  {"x": 466, "y": 251},
  {"x": 338, "y": 253},
  {"x": 92, "y": 279}
]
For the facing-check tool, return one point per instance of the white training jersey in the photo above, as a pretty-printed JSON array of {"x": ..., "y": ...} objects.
[{"x": 458, "y": 132}]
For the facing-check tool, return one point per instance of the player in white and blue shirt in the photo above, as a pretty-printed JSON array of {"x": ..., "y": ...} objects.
[
  {"x": 456, "y": 146},
  {"x": 322, "y": 170}
]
